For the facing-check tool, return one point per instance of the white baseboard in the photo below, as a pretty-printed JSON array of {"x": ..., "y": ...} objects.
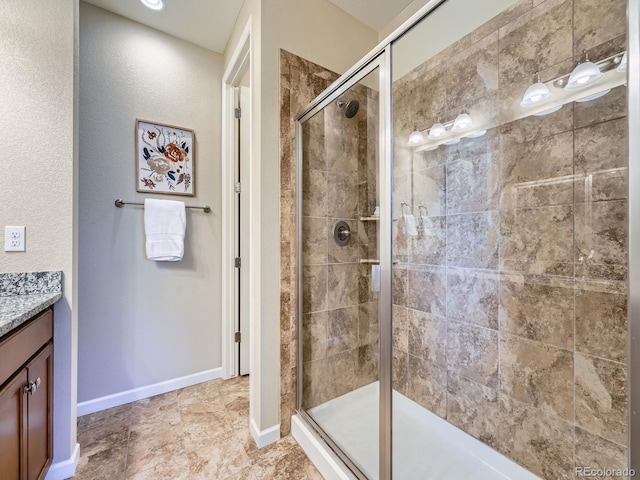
[
  {"x": 329, "y": 466},
  {"x": 116, "y": 399},
  {"x": 265, "y": 437},
  {"x": 65, "y": 468}
]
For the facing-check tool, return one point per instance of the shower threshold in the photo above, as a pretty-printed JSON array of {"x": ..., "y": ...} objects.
[{"x": 425, "y": 446}]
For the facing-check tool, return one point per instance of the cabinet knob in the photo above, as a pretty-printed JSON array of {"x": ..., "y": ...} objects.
[{"x": 32, "y": 387}]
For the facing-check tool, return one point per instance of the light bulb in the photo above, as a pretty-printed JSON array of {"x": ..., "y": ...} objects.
[
  {"x": 623, "y": 63},
  {"x": 584, "y": 74},
  {"x": 462, "y": 122},
  {"x": 416, "y": 137},
  {"x": 153, "y": 4},
  {"x": 536, "y": 93},
  {"x": 437, "y": 131}
]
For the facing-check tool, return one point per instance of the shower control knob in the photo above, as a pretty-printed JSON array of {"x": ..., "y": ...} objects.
[{"x": 341, "y": 233}]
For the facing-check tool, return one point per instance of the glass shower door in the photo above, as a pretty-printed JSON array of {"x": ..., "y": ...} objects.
[
  {"x": 510, "y": 241},
  {"x": 339, "y": 276}
]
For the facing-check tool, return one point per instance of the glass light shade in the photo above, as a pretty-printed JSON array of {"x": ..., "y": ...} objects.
[
  {"x": 536, "y": 93},
  {"x": 437, "y": 131},
  {"x": 416, "y": 137},
  {"x": 452, "y": 142},
  {"x": 623, "y": 64},
  {"x": 593, "y": 96},
  {"x": 477, "y": 134},
  {"x": 548, "y": 111},
  {"x": 462, "y": 122},
  {"x": 584, "y": 74},
  {"x": 153, "y": 4}
]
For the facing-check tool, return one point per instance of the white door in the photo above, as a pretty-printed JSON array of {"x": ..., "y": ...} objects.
[{"x": 243, "y": 233}]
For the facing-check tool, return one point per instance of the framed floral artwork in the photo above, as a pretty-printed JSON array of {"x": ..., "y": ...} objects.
[{"x": 165, "y": 159}]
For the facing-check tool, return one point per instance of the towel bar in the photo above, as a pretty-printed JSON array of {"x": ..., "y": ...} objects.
[{"x": 121, "y": 203}]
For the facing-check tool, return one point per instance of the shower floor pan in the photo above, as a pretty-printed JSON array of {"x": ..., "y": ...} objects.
[{"x": 425, "y": 446}]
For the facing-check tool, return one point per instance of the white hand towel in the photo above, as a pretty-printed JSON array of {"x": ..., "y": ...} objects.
[
  {"x": 410, "y": 225},
  {"x": 164, "y": 225},
  {"x": 427, "y": 225},
  {"x": 375, "y": 278}
]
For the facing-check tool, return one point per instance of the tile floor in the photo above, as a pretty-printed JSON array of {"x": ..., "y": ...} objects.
[{"x": 196, "y": 433}]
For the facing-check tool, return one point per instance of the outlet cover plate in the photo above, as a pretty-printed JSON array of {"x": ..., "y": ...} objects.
[{"x": 14, "y": 239}]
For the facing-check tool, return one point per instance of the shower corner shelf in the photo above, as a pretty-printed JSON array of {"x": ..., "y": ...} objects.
[{"x": 371, "y": 218}]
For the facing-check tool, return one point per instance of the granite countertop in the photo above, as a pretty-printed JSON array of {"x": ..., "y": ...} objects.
[{"x": 23, "y": 295}]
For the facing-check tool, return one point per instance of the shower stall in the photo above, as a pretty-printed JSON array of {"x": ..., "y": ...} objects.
[{"x": 464, "y": 277}]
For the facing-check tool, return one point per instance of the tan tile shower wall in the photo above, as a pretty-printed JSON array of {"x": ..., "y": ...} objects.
[
  {"x": 340, "y": 341},
  {"x": 510, "y": 303}
]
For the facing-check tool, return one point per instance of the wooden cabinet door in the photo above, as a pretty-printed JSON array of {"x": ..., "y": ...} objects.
[
  {"x": 39, "y": 449},
  {"x": 13, "y": 420}
]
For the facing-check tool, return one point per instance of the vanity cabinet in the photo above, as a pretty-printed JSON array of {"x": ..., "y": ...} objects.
[{"x": 26, "y": 398}]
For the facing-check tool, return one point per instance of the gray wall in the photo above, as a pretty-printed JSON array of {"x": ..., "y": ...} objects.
[
  {"x": 37, "y": 123},
  {"x": 143, "y": 322}
]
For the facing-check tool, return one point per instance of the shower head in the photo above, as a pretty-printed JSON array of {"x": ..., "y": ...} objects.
[{"x": 349, "y": 109}]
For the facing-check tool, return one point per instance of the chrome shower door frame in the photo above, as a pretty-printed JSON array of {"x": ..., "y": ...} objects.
[
  {"x": 633, "y": 292},
  {"x": 382, "y": 63}
]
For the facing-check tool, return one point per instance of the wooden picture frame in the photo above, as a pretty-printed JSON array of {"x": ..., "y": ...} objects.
[{"x": 165, "y": 159}]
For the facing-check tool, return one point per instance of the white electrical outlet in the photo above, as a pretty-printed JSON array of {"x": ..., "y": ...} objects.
[{"x": 14, "y": 239}]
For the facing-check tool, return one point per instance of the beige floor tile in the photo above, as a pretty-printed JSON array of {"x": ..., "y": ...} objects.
[
  {"x": 222, "y": 460},
  {"x": 195, "y": 433},
  {"x": 171, "y": 468},
  {"x": 152, "y": 448}
]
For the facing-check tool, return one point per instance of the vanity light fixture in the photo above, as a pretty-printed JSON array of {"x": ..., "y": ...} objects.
[
  {"x": 477, "y": 134},
  {"x": 430, "y": 149},
  {"x": 584, "y": 74},
  {"x": 416, "y": 137},
  {"x": 437, "y": 131},
  {"x": 548, "y": 111},
  {"x": 623, "y": 63},
  {"x": 153, "y": 4},
  {"x": 462, "y": 123},
  {"x": 538, "y": 92},
  {"x": 452, "y": 142},
  {"x": 593, "y": 96}
]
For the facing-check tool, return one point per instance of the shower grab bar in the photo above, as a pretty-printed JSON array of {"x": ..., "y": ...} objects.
[
  {"x": 373, "y": 261},
  {"x": 368, "y": 261},
  {"x": 121, "y": 203}
]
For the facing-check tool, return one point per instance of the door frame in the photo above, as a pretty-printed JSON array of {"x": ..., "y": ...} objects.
[{"x": 239, "y": 65}]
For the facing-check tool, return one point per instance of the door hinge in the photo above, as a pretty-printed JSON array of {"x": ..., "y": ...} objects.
[
  {"x": 238, "y": 113},
  {"x": 238, "y": 262},
  {"x": 238, "y": 337},
  {"x": 238, "y": 187}
]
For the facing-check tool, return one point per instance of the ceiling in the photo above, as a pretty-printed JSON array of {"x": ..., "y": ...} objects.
[
  {"x": 208, "y": 23},
  {"x": 376, "y": 14}
]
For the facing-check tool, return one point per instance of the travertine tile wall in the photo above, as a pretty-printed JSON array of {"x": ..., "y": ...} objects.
[
  {"x": 339, "y": 351},
  {"x": 300, "y": 82},
  {"x": 510, "y": 303},
  {"x": 340, "y": 343}
]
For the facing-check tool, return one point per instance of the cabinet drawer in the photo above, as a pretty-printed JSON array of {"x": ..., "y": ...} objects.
[{"x": 20, "y": 346}]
